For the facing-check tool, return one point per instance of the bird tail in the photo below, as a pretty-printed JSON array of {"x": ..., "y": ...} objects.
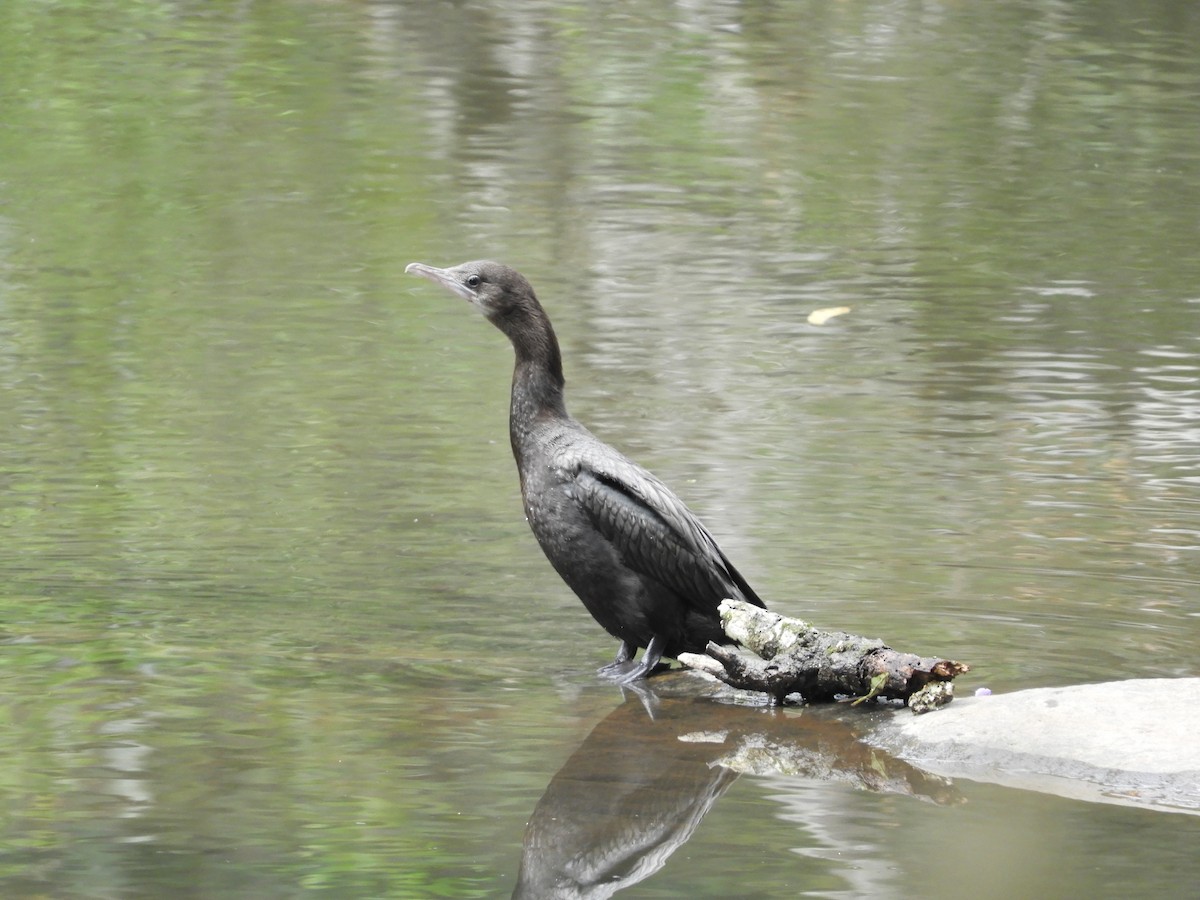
[{"x": 747, "y": 593}]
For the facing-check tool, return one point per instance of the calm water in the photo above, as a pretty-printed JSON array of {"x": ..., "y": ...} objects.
[{"x": 271, "y": 622}]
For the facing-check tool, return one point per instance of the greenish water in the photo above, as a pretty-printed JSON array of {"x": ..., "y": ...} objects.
[{"x": 271, "y": 622}]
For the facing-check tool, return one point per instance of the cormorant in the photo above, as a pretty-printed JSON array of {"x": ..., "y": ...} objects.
[{"x": 638, "y": 558}]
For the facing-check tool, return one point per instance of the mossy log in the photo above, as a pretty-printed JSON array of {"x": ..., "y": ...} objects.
[{"x": 821, "y": 666}]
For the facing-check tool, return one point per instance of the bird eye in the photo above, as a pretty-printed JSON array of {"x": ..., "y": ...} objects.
[{"x": 473, "y": 281}]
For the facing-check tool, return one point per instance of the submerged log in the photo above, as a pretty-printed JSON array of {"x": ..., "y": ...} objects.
[{"x": 821, "y": 666}]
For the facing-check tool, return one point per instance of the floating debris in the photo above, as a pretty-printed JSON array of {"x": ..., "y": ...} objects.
[{"x": 821, "y": 316}]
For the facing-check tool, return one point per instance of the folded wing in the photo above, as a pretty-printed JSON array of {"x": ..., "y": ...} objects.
[{"x": 655, "y": 533}]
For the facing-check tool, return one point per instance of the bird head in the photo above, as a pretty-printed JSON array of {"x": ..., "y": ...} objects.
[{"x": 497, "y": 291}]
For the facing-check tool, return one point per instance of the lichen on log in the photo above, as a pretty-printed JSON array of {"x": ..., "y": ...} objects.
[{"x": 794, "y": 657}]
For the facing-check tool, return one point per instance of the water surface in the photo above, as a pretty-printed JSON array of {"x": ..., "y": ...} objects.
[{"x": 272, "y": 622}]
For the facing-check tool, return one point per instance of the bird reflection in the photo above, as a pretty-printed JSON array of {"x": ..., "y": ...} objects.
[
  {"x": 628, "y": 798},
  {"x": 640, "y": 784}
]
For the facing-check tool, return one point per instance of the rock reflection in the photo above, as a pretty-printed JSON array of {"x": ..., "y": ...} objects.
[{"x": 639, "y": 785}]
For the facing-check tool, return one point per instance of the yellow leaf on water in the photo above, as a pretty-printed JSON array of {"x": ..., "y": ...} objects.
[{"x": 821, "y": 316}]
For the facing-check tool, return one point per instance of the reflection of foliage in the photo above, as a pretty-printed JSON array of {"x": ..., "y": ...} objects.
[{"x": 129, "y": 745}]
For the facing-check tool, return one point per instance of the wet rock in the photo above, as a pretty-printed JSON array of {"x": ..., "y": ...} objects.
[{"x": 1135, "y": 742}]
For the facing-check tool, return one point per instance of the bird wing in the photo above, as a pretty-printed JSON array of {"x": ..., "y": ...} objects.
[{"x": 654, "y": 531}]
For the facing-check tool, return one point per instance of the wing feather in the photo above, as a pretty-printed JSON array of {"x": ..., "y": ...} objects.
[{"x": 653, "y": 530}]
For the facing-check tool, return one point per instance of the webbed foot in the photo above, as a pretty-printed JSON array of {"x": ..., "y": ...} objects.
[
  {"x": 623, "y": 669},
  {"x": 620, "y": 664}
]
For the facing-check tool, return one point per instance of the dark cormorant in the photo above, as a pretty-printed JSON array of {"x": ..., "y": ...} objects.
[{"x": 640, "y": 561}]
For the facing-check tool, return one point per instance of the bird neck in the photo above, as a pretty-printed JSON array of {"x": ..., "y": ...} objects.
[{"x": 537, "y": 385}]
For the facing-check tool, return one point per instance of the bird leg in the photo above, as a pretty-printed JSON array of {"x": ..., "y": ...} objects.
[{"x": 649, "y": 661}]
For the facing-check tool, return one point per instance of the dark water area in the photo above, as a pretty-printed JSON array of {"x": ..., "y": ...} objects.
[{"x": 271, "y": 621}]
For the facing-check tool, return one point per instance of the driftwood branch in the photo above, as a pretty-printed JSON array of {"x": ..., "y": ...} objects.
[{"x": 794, "y": 657}]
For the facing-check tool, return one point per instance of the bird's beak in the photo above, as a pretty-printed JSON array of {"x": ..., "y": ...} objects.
[{"x": 445, "y": 277}]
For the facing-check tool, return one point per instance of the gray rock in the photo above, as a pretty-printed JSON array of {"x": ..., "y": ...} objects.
[{"x": 1132, "y": 742}]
